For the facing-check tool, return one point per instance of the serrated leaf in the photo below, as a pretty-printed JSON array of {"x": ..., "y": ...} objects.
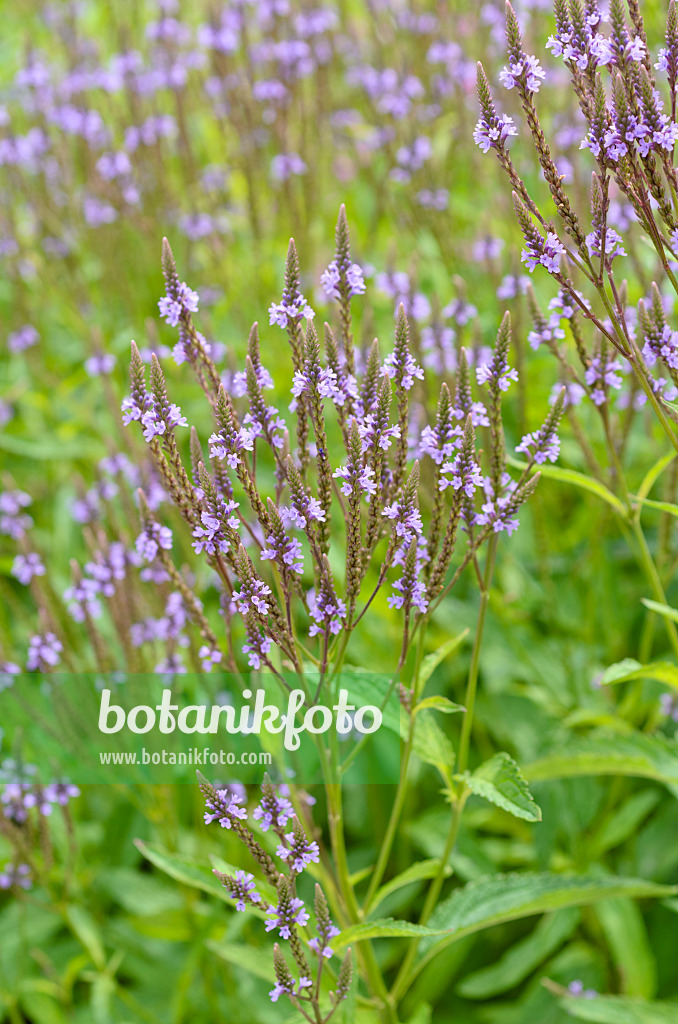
[
  {"x": 649, "y": 757},
  {"x": 431, "y": 745},
  {"x": 438, "y": 703},
  {"x": 415, "y": 873},
  {"x": 571, "y": 476},
  {"x": 430, "y": 663},
  {"x": 500, "y": 781},
  {"x": 620, "y": 1010},
  {"x": 384, "y": 928},
  {"x": 629, "y": 669},
  {"x": 522, "y": 958},
  {"x": 501, "y": 898}
]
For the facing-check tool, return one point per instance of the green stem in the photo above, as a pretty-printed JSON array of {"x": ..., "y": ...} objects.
[
  {"x": 336, "y": 823},
  {"x": 401, "y": 792},
  {"x": 402, "y": 982}
]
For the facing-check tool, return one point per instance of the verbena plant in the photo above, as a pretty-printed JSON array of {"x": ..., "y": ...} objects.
[{"x": 379, "y": 481}]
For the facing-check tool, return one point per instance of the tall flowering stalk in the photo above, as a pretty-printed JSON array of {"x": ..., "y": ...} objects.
[{"x": 630, "y": 139}]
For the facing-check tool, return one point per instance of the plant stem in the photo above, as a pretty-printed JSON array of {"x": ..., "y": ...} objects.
[{"x": 403, "y": 980}]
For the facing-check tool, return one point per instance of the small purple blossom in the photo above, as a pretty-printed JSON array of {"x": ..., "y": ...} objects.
[
  {"x": 180, "y": 303},
  {"x": 547, "y": 252},
  {"x": 23, "y": 338},
  {"x": 492, "y": 132},
  {"x": 527, "y": 71},
  {"x": 44, "y": 652},
  {"x": 153, "y": 537},
  {"x": 25, "y": 567},
  {"x": 300, "y": 852},
  {"x": 464, "y": 475},
  {"x": 225, "y": 808},
  {"x": 285, "y": 915}
]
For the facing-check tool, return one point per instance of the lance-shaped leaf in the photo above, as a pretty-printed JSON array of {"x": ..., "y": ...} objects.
[
  {"x": 522, "y": 958},
  {"x": 628, "y": 670},
  {"x": 502, "y": 898},
  {"x": 649, "y": 757},
  {"x": 620, "y": 1010},
  {"x": 499, "y": 780}
]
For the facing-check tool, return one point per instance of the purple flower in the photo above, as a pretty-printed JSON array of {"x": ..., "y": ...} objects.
[
  {"x": 601, "y": 375},
  {"x": 300, "y": 853},
  {"x": 242, "y": 888},
  {"x": 25, "y": 567},
  {"x": 153, "y": 537},
  {"x": 540, "y": 447},
  {"x": 326, "y": 610},
  {"x": 209, "y": 657},
  {"x": 356, "y": 476},
  {"x": 546, "y": 251},
  {"x": 180, "y": 303},
  {"x": 280, "y": 313},
  {"x": 274, "y": 811},
  {"x": 465, "y": 474},
  {"x": 285, "y": 915},
  {"x": 44, "y": 652},
  {"x": 284, "y": 165},
  {"x": 406, "y": 519},
  {"x": 61, "y": 792},
  {"x": 18, "y": 875},
  {"x": 492, "y": 132},
  {"x": 330, "y": 280},
  {"x": 546, "y": 333},
  {"x": 375, "y": 433},
  {"x": 228, "y": 443},
  {"x": 303, "y": 510},
  {"x": 23, "y": 338},
  {"x": 100, "y": 364},
  {"x": 402, "y": 368},
  {"x": 288, "y": 553},
  {"x": 258, "y": 644},
  {"x": 527, "y": 71},
  {"x": 253, "y": 593},
  {"x": 225, "y": 808},
  {"x": 613, "y": 243},
  {"x": 661, "y": 346},
  {"x": 289, "y": 989}
]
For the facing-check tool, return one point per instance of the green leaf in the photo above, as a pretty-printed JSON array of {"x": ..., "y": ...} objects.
[
  {"x": 620, "y": 1010},
  {"x": 661, "y": 609},
  {"x": 415, "y": 873},
  {"x": 255, "y": 959},
  {"x": 653, "y": 475},
  {"x": 661, "y": 506},
  {"x": 431, "y": 745},
  {"x": 522, "y": 958},
  {"x": 385, "y": 928},
  {"x": 430, "y": 663},
  {"x": 571, "y": 476},
  {"x": 85, "y": 928},
  {"x": 499, "y": 780},
  {"x": 627, "y": 670},
  {"x": 626, "y": 935},
  {"x": 649, "y": 757},
  {"x": 184, "y": 869},
  {"x": 500, "y": 898},
  {"x": 438, "y": 703}
]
